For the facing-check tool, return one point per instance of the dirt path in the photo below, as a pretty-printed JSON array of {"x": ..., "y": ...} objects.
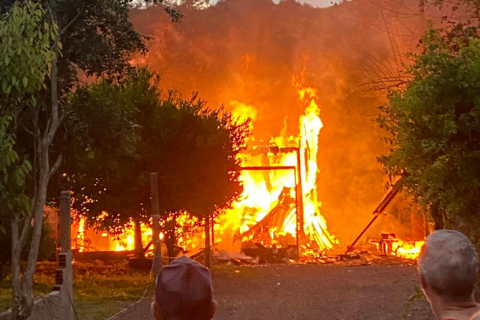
[{"x": 310, "y": 292}]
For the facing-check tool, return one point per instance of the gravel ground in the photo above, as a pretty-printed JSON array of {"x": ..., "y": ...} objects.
[{"x": 310, "y": 292}]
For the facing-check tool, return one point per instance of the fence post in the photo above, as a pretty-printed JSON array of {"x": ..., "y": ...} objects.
[
  {"x": 208, "y": 251},
  {"x": 65, "y": 261},
  {"x": 157, "y": 246}
]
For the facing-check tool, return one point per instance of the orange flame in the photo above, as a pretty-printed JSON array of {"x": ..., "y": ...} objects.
[
  {"x": 407, "y": 249},
  {"x": 264, "y": 189}
]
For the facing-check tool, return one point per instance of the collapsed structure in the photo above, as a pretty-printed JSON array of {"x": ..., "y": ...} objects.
[{"x": 279, "y": 209}]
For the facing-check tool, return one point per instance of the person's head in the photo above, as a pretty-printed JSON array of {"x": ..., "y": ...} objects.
[
  {"x": 448, "y": 268},
  {"x": 184, "y": 292}
]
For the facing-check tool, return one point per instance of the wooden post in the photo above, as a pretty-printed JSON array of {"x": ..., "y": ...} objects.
[
  {"x": 207, "y": 241},
  {"x": 157, "y": 245},
  {"x": 65, "y": 222},
  {"x": 297, "y": 208},
  {"x": 299, "y": 190},
  {"x": 213, "y": 231},
  {"x": 65, "y": 257}
]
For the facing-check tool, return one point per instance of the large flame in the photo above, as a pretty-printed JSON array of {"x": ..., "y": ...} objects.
[
  {"x": 266, "y": 188},
  {"x": 268, "y": 193}
]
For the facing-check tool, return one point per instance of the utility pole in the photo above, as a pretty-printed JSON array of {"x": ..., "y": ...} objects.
[{"x": 157, "y": 246}]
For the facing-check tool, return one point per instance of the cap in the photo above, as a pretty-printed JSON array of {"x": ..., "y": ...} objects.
[{"x": 184, "y": 290}]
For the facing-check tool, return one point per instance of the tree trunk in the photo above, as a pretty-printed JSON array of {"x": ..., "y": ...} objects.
[
  {"x": 426, "y": 224},
  {"x": 16, "y": 282},
  {"x": 207, "y": 241},
  {"x": 22, "y": 293},
  {"x": 138, "y": 238},
  {"x": 38, "y": 212},
  {"x": 437, "y": 216}
]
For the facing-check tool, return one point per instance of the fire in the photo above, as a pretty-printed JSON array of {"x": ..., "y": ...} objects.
[
  {"x": 188, "y": 233},
  {"x": 408, "y": 249},
  {"x": 80, "y": 239},
  {"x": 283, "y": 181},
  {"x": 87, "y": 239},
  {"x": 391, "y": 245},
  {"x": 270, "y": 198}
]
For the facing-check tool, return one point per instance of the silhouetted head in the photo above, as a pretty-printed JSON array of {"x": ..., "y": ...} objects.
[
  {"x": 448, "y": 267},
  {"x": 184, "y": 292}
]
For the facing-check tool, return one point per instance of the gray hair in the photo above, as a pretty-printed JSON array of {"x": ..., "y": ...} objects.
[{"x": 449, "y": 265}]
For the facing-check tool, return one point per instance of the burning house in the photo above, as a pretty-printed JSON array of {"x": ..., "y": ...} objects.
[
  {"x": 279, "y": 209},
  {"x": 287, "y": 67}
]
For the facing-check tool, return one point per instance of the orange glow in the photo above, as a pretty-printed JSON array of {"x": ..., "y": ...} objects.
[
  {"x": 276, "y": 189},
  {"x": 264, "y": 191},
  {"x": 407, "y": 249},
  {"x": 81, "y": 235}
]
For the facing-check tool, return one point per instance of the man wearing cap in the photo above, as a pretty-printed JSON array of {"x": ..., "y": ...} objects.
[
  {"x": 448, "y": 268},
  {"x": 184, "y": 292}
]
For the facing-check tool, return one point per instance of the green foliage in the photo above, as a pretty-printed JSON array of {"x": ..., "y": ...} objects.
[
  {"x": 13, "y": 173},
  {"x": 25, "y": 44},
  {"x": 97, "y": 36},
  {"x": 411, "y": 300},
  {"x": 130, "y": 131},
  {"x": 26, "y": 50},
  {"x": 435, "y": 126},
  {"x": 97, "y": 39},
  {"x": 197, "y": 164}
]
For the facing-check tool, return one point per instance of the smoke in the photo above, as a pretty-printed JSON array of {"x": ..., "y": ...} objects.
[{"x": 247, "y": 51}]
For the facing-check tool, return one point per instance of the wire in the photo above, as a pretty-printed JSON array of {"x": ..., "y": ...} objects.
[
  {"x": 133, "y": 304},
  {"x": 71, "y": 302}
]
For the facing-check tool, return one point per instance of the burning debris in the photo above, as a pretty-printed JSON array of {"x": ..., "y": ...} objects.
[
  {"x": 278, "y": 218},
  {"x": 280, "y": 207},
  {"x": 391, "y": 245}
]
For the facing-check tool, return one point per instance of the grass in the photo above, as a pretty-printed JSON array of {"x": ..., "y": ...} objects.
[
  {"x": 100, "y": 290},
  {"x": 43, "y": 285}
]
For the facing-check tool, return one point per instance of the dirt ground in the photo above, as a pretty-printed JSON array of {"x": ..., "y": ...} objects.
[{"x": 283, "y": 292}]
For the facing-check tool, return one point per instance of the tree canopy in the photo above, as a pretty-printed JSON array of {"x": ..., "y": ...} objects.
[
  {"x": 435, "y": 125},
  {"x": 64, "y": 39},
  {"x": 25, "y": 43},
  {"x": 133, "y": 132}
]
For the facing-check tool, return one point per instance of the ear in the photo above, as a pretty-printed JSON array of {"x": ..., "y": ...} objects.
[
  {"x": 423, "y": 281},
  {"x": 214, "y": 309},
  {"x": 156, "y": 310}
]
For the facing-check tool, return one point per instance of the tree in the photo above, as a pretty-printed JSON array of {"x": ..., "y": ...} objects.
[
  {"x": 97, "y": 39},
  {"x": 192, "y": 148},
  {"x": 109, "y": 177},
  {"x": 26, "y": 43},
  {"x": 434, "y": 126},
  {"x": 13, "y": 201}
]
